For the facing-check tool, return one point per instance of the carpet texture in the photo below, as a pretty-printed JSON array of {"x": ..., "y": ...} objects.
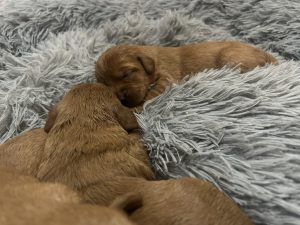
[{"x": 241, "y": 132}]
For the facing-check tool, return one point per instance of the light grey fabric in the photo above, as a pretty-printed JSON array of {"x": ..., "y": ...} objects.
[
  {"x": 239, "y": 131},
  {"x": 272, "y": 24}
]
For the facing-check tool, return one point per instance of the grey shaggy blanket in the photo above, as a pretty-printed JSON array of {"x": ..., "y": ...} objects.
[{"x": 241, "y": 132}]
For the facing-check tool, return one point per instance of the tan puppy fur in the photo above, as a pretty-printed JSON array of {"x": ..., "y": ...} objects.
[
  {"x": 87, "y": 140},
  {"x": 28, "y": 187},
  {"x": 185, "y": 201},
  {"x": 24, "y": 201},
  {"x": 23, "y": 153},
  {"x": 131, "y": 70}
]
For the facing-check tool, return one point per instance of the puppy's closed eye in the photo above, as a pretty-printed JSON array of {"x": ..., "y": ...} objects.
[
  {"x": 125, "y": 75},
  {"x": 128, "y": 72}
]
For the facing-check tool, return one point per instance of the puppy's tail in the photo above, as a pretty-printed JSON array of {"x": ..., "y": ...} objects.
[{"x": 271, "y": 59}]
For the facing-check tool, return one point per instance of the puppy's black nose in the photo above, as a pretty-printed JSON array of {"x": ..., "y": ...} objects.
[
  {"x": 125, "y": 102},
  {"x": 123, "y": 98}
]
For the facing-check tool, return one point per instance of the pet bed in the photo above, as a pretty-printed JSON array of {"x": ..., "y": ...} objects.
[{"x": 241, "y": 132}]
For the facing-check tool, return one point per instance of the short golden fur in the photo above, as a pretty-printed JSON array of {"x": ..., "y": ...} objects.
[
  {"x": 23, "y": 153},
  {"x": 23, "y": 200},
  {"x": 88, "y": 139},
  {"x": 137, "y": 73},
  {"x": 185, "y": 201}
]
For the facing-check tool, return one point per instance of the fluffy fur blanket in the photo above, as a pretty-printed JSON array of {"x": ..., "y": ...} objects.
[{"x": 241, "y": 132}]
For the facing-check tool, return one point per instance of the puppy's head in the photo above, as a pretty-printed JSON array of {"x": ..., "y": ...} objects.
[
  {"x": 96, "y": 104},
  {"x": 88, "y": 120},
  {"x": 129, "y": 71}
]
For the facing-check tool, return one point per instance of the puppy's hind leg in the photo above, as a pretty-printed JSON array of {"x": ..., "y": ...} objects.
[{"x": 244, "y": 56}]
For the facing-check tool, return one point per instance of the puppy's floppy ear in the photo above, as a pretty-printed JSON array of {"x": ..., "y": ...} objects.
[
  {"x": 51, "y": 118},
  {"x": 147, "y": 63},
  {"x": 126, "y": 118},
  {"x": 128, "y": 203}
]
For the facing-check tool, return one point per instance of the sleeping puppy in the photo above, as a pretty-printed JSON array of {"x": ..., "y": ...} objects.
[
  {"x": 88, "y": 139},
  {"x": 185, "y": 201},
  {"x": 25, "y": 201},
  {"x": 137, "y": 73},
  {"x": 23, "y": 153}
]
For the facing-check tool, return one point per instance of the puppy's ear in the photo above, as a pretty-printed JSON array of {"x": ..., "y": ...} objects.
[
  {"x": 128, "y": 203},
  {"x": 51, "y": 118},
  {"x": 98, "y": 67},
  {"x": 147, "y": 63},
  {"x": 126, "y": 118}
]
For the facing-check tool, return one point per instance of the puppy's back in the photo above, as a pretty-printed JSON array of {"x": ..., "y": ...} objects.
[
  {"x": 187, "y": 201},
  {"x": 19, "y": 187},
  {"x": 23, "y": 153},
  {"x": 25, "y": 201}
]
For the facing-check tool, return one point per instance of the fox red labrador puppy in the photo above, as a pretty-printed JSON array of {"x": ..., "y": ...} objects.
[
  {"x": 137, "y": 73},
  {"x": 88, "y": 139},
  {"x": 185, "y": 201},
  {"x": 25, "y": 201}
]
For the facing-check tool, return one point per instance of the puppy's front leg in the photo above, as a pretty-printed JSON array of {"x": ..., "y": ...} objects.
[
  {"x": 155, "y": 90},
  {"x": 158, "y": 87}
]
